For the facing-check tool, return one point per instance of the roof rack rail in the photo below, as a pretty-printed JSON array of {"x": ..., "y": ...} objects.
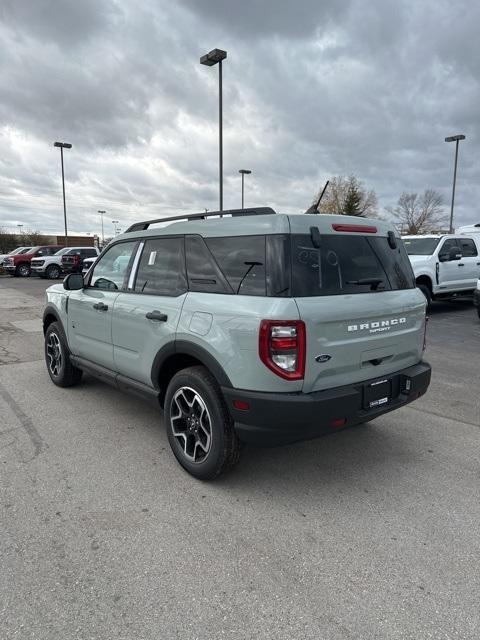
[{"x": 258, "y": 211}]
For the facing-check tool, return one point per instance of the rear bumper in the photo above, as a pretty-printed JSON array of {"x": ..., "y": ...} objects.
[
  {"x": 281, "y": 418},
  {"x": 71, "y": 268},
  {"x": 476, "y": 298}
]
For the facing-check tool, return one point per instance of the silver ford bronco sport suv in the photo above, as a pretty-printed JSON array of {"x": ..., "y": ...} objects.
[{"x": 247, "y": 327}]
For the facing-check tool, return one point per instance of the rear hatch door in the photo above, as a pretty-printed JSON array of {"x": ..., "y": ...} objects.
[{"x": 364, "y": 317}]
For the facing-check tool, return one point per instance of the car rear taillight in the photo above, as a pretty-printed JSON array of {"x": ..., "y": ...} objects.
[
  {"x": 281, "y": 347},
  {"x": 425, "y": 333}
]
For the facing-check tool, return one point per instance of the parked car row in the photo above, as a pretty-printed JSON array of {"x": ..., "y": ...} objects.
[{"x": 49, "y": 261}]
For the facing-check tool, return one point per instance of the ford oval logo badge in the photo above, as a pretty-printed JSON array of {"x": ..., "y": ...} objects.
[{"x": 324, "y": 357}]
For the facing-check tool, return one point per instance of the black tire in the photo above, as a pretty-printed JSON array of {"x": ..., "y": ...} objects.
[
  {"x": 53, "y": 272},
  {"x": 23, "y": 270},
  {"x": 426, "y": 292},
  {"x": 59, "y": 367},
  {"x": 478, "y": 312},
  {"x": 215, "y": 453}
]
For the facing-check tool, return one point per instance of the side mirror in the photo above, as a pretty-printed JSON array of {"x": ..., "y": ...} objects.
[
  {"x": 455, "y": 254},
  {"x": 73, "y": 282}
]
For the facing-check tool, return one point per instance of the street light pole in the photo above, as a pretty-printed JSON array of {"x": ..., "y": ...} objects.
[
  {"x": 244, "y": 172},
  {"x": 209, "y": 59},
  {"x": 101, "y": 212},
  {"x": 455, "y": 139},
  {"x": 63, "y": 145}
]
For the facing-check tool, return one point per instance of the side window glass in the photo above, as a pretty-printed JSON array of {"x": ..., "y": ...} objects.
[
  {"x": 202, "y": 272},
  {"x": 469, "y": 250},
  {"x": 447, "y": 245},
  {"x": 242, "y": 261},
  {"x": 161, "y": 269},
  {"x": 110, "y": 271}
]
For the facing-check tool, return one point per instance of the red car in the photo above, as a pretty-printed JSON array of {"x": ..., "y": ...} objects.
[
  {"x": 19, "y": 265},
  {"x": 72, "y": 261}
]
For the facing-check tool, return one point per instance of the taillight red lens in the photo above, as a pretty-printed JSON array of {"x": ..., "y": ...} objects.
[
  {"x": 281, "y": 347},
  {"x": 425, "y": 333}
]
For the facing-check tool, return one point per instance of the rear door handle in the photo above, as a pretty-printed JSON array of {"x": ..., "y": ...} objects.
[
  {"x": 100, "y": 306},
  {"x": 460, "y": 264},
  {"x": 156, "y": 315}
]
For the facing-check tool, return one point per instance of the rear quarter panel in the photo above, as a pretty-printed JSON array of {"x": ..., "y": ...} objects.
[{"x": 227, "y": 326}]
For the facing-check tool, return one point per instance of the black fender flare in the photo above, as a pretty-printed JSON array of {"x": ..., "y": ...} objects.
[
  {"x": 183, "y": 347},
  {"x": 50, "y": 310}
]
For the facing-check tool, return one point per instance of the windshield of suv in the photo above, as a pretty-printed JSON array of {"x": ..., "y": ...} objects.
[
  {"x": 348, "y": 265},
  {"x": 420, "y": 246}
]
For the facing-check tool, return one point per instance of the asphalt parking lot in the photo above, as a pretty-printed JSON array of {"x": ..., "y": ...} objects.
[{"x": 373, "y": 532}]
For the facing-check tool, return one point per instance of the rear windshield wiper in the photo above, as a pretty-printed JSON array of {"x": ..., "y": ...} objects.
[{"x": 374, "y": 282}]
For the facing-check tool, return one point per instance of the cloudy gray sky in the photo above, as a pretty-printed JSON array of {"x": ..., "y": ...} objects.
[{"x": 312, "y": 88}]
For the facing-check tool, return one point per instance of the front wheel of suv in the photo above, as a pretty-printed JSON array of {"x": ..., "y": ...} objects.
[
  {"x": 199, "y": 427},
  {"x": 23, "y": 270},
  {"x": 53, "y": 272},
  {"x": 57, "y": 357}
]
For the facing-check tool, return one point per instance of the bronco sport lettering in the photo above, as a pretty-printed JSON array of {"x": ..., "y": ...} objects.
[{"x": 374, "y": 327}]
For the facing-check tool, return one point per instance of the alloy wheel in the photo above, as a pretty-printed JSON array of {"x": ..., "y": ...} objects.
[
  {"x": 191, "y": 424},
  {"x": 54, "y": 354}
]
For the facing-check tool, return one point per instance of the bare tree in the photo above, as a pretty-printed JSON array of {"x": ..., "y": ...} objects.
[
  {"x": 347, "y": 195},
  {"x": 9, "y": 241},
  {"x": 419, "y": 214},
  {"x": 33, "y": 237}
]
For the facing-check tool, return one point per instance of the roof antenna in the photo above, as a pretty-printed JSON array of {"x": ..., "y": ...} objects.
[{"x": 315, "y": 205}]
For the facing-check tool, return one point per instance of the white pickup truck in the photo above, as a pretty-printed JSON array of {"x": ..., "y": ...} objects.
[{"x": 444, "y": 265}]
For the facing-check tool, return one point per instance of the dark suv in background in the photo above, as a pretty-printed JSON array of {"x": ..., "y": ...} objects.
[{"x": 72, "y": 261}]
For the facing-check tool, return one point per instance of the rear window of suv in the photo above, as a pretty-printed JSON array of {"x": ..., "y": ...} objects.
[{"x": 346, "y": 264}]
